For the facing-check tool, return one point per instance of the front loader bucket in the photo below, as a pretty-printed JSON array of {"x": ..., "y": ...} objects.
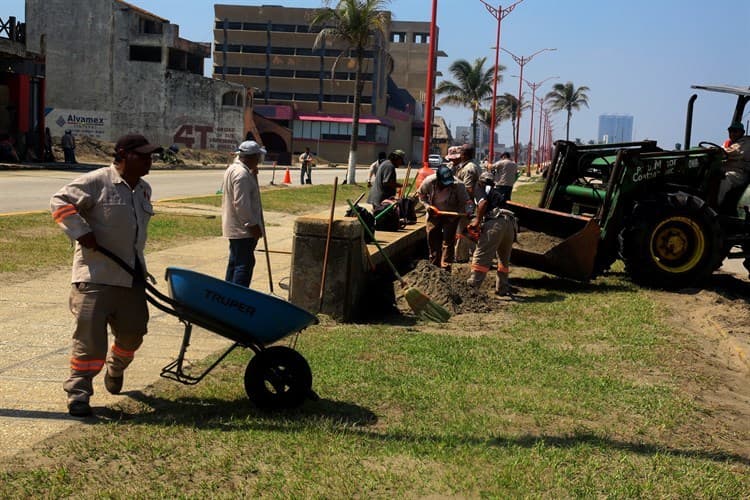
[{"x": 573, "y": 257}]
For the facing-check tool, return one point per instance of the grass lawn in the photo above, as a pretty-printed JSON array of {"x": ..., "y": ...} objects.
[
  {"x": 577, "y": 390},
  {"x": 569, "y": 393}
]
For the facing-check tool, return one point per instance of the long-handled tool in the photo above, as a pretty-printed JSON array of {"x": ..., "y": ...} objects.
[
  {"x": 420, "y": 303},
  {"x": 265, "y": 245},
  {"x": 328, "y": 244}
]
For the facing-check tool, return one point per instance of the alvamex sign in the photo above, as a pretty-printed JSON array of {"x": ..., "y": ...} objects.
[
  {"x": 229, "y": 302},
  {"x": 85, "y": 119}
]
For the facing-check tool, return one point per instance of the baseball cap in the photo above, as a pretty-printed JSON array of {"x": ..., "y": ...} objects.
[
  {"x": 400, "y": 153},
  {"x": 736, "y": 126},
  {"x": 248, "y": 148},
  {"x": 445, "y": 175},
  {"x": 136, "y": 143}
]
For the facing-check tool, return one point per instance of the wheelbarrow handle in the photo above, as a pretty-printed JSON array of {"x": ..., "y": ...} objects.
[{"x": 131, "y": 271}]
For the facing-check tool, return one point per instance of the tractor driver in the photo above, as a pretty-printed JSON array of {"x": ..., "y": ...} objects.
[{"x": 737, "y": 165}]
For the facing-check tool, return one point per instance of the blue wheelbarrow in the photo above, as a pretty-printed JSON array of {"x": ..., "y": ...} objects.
[{"x": 276, "y": 377}]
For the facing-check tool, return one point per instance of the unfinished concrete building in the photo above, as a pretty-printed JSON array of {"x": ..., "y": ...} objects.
[{"x": 113, "y": 68}]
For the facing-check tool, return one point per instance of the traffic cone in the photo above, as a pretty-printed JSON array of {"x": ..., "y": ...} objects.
[{"x": 287, "y": 177}]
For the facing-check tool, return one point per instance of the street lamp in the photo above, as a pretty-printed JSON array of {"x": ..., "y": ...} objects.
[
  {"x": 533, "y": 86},
  {"x": 498, "y": 14},
  {"x": 521, "y": 61}
]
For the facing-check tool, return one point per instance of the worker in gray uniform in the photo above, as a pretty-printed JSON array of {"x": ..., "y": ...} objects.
[{"x": 498, "y": 228}]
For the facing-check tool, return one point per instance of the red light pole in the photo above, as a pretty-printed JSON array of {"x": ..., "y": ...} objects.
[
  {"x": 533, "y": 86},
  {"x": 521, "y": 61},
  {"x": 429, "y": 89},
  {"x": 498, "y": 14},
  {"x": 542, "y": 111}
]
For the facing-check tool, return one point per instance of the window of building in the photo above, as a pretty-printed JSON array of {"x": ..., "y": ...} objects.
[
  {"x": 149, "y": 26},
  {"x": 335, "y": 98},
  {"x": 231, "y": 98},
  {"x": 398, "y": 36},
  {"x": 307, "y": 52},
  {"x": 287, "y": 51},
  {"x": 253, "y": 49},
  {"x": 255, "y": 26},
  {"x": 421, "y": 38},
  {"x": 145, "y": 53},
  {"x": 284, "y": 73},
  {"x": 220, "y": 47},
  {"x": 303, "y": 28},
  {"x": 230, "y": 25},
  {"x": 281, "y": 96},
  {"x": 307, "y": 74},
  {"x": 286, "y": 28},
  {"x": 305, "y": 97},
  {"x": 254, "y": 71}
]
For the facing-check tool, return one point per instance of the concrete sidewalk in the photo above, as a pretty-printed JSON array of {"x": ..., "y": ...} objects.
[{"x": 37, "y": 328}]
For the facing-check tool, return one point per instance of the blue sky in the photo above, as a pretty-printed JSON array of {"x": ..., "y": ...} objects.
[{"x": 638, "y": 57}]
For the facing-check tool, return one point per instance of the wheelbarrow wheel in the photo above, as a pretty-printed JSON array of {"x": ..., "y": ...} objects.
[{"x": 278, "y": 378}]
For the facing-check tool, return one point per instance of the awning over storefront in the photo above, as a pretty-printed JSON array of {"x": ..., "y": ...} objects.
[{"x": 365, "y": 119}]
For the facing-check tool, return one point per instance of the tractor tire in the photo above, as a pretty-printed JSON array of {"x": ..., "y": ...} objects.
[
  {"x": 672, "y": 242},
  {"x": 278, "y": 378}
]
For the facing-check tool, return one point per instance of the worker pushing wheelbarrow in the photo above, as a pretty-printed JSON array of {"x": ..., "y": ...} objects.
[{"x": 276, "y": 376}]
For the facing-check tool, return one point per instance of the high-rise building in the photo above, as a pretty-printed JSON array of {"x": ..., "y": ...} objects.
[
  {"x": 615, "y": 128},
  {"x": 299, "y": 103}
]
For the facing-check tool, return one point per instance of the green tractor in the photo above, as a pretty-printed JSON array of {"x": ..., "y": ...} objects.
[{"x": 654, "y": 209}]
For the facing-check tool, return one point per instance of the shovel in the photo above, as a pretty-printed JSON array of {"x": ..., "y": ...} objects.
[{"x": 422, "y": 305}]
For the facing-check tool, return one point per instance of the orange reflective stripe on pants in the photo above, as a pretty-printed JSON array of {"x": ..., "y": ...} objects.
[
  {"x": 119, "y": 351},
  {"x": 502, "y": 269},
  {"x": 86, "y": 365}
]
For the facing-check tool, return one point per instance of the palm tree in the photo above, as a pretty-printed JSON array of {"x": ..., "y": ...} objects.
[
  {"x": 566, "y": 96},
  {"x": 473, "y": 88},
  {"x": 352, "y": 23},
  {"x": 507, "y": 108}
]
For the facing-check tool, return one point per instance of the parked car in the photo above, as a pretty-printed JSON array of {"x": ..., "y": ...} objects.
[{"x": 435, "y": 160}]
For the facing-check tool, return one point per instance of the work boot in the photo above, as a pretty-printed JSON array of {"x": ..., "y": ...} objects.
[
  {"x": 502, "y": 284},
  {"x": 79, "y": 409},
  {"x": 476, "y": 279},
  {"x": 113, "y": 384}
]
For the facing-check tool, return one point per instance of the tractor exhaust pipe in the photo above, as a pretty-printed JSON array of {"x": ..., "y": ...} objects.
[{"x": 689, "y": 121}]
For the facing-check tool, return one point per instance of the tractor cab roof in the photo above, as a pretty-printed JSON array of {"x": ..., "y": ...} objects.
[{"x": 727, "y": 89}]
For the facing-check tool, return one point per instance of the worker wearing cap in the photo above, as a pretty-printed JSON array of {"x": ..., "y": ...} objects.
[
  {"x": 498, "y": 232},
  {"x": 110, "y": 208},
  {"x": 386, "y": 183},
  {"x": 467, "y": 173},
  {"x": 241, "y": 217},
  {"x": 737, "y": 165},
  {"x": 439, "y": 193}
]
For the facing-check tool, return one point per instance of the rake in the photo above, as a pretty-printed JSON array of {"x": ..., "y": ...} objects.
[{"x": 422, "y": 305}]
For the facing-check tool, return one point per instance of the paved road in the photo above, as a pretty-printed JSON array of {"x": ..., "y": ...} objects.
[{"x": 30, "y": 190}]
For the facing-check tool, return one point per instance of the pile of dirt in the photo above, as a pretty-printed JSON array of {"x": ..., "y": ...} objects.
[
  {"x": 536, "y": 242},
  {"x": 451, "y": 289},
  {"x": 91, "y": 150}
]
